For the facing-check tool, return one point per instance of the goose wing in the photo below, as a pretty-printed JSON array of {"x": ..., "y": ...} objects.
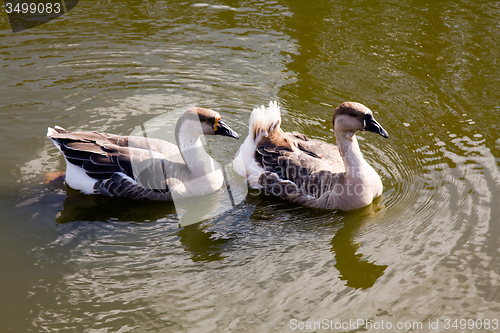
[
  {"x": 124, "y": 166},
  {"x": 325, "y": 152},
  {"x": 297, "y": 166}
]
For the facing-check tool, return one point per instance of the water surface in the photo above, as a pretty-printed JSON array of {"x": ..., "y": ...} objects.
[{"x": 426, "y": 250}]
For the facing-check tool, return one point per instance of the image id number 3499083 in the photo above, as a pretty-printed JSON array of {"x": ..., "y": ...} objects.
[
  {"x": 471, "y": 324},
  {"x": 33, "y": 7}
]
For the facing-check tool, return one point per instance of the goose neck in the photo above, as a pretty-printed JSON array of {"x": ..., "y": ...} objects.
[
  {"x": 354, "y": 162},
  {"x": 193, "y": 153}
]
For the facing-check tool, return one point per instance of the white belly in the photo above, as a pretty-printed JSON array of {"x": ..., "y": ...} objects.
[{"x": 77, "y": 179}]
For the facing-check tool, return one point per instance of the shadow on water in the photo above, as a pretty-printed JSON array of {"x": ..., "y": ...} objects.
[
  {"x": 80, "y": 207},
  {"x": 202, "y": 244},
  {"x": 353, "y": 268},
  {"x": 356, "y": 271}
]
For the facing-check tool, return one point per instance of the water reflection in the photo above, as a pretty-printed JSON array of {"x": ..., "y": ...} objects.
[
  {"x": 356, "y": 271},
  {"x": 300, "y": 221},
  {"x": 202, "y": 244},
  {"x": 80, "y": 207}
]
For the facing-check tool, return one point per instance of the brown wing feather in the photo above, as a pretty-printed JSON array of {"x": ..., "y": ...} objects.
[
  {"x": 325, "y": 152},
  {"x": 306, "y": 168},
  {"x": 119, "y": 185}
]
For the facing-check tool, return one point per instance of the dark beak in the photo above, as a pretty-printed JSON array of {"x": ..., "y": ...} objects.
[
  {"x": 371, "y": 125},
  {"x": 222, "y": 129}
]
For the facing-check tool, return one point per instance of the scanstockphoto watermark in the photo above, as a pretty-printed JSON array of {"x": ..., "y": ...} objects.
[
  {"x": 353, "y": 324},
  {"x": 26, "y": 14},
  {"x": 382, "y": 325}
]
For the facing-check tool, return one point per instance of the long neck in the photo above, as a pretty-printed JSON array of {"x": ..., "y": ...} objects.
[
  {"x": 354, "y": 162},
  {"x": 193, "y": 152}
]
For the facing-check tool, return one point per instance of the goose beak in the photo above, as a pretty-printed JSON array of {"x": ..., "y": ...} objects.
[
  {"x": 220, "y": 128},
  {"x": 371, "y": 125}
]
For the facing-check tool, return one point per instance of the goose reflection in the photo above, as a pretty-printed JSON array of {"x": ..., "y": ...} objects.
[
  {"x": 357, "y": 273},
  {"x": 79, "y": 207},
  {"x": 352, "y": 268},
  {"x": 203, "y": 245}
]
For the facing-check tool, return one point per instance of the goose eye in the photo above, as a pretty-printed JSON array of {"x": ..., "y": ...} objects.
[{"x": 204, "y": 120}]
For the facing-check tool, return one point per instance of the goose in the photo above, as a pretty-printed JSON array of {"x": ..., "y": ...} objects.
[
  {"x": 142, "y": 168},
  {"x": 310, "y": 172}
]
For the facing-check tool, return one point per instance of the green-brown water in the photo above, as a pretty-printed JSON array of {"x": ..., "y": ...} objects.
[{"x": 427, "y": 250}]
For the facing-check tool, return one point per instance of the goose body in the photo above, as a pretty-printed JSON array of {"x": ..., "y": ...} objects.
[
  {"x": 141, "y": 168},
  {"x": 310, "y": 172}
]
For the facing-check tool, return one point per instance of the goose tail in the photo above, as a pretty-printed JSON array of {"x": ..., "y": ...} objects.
[
  {"x": 52, "y": 134},
  {"x": 264, "y": 120},
  {"x": 54, "y": 131}
]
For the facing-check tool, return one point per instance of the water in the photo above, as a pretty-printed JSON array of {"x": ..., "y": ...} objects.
[{"x": 427, "y": 250}]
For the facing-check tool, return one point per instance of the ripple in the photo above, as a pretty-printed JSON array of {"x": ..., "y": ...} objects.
[{"x": 428, "y": 248}]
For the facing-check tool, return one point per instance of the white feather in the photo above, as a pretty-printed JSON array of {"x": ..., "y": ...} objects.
[
  {"x": 262, "y": 121},
  {"x": 78, "y": 179},
  {"x": 75, "y": 177}
]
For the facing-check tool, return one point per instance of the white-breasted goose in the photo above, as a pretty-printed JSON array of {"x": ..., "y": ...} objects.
[{"x": 141, "y": 168}]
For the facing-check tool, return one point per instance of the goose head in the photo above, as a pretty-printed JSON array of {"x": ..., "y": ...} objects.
[
  {"x": 351, "y": 117},
  {"x": 198, "y": 121}
]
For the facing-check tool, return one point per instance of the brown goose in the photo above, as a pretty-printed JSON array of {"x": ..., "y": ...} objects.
[
  {"x": 310, "y": 172},
  {"x": 142, "y": 168}
]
